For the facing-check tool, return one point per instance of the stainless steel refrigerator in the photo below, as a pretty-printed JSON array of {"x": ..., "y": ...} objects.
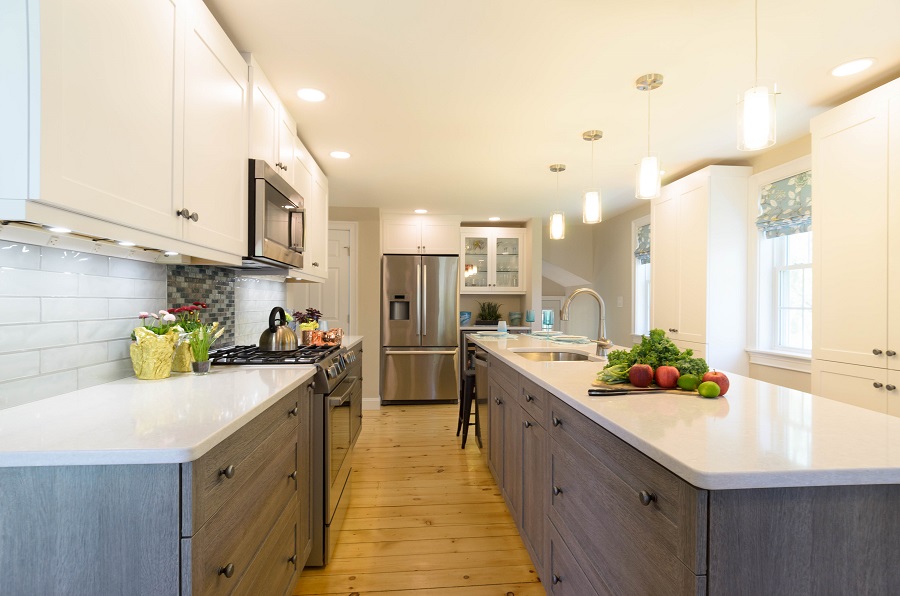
[{"x": 419, "y": 328}]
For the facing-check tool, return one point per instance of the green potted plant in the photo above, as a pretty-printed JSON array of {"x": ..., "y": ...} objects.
[
  {"x": 200, "y": 340},
  {"x": 488, "y": 314}
]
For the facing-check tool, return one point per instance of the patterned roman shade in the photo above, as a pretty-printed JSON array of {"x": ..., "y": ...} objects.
[
  {"x": 785, "y": 206},
  {"x": 642, "y": 252}
]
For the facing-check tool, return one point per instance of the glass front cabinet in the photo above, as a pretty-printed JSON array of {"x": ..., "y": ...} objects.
[{"x": 493, "y": 261}]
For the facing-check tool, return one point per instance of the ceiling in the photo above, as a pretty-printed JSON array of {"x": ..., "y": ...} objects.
[{"x": 460, "y": 106}]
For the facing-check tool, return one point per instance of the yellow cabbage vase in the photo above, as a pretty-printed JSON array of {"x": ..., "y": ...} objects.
[
  {"x": 151, "y": 354},
  {"x": 183, "y": 357}
]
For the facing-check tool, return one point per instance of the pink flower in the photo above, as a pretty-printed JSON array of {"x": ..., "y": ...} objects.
[
  {"x": 169, "y": 317},
  {"x": 143, "y": 315}
]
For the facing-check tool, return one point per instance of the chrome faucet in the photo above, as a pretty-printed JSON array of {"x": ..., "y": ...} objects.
[{"x": 603, "y": 344}]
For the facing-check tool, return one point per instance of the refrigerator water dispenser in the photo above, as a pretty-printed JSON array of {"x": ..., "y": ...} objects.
[{"x": 399, "y": 308}]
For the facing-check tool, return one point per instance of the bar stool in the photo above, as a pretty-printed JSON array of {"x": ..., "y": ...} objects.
[{"x": 465, "y": 407}]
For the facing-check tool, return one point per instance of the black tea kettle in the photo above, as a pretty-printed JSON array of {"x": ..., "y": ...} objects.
[{"x": 278, "y": 337}]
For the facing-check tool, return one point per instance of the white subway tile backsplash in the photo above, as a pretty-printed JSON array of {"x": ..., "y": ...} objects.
[
  {"x": 136, "y": 269},
  {"x": 28, "y": 282},
  {"x": 129, "y": 308},
  {"x": 14, "y": 338},
  {"x": 73, "y": 309},
  {"x": 19, "y": 310},
  {"x": 118, "y": 349},
  {"x": 54, "y": 359},
  {"x": 20, "y": 256},
  {"x": 16, "y": 393},
  {"x": 90, "y": 331},
  {"x": 149, "y": 289},
  {"x": 104, "y": 373},
  {"x": 19, "y": 364},
  {"x": 105, "y": 287},
  {"x": 71, "y": 261}
]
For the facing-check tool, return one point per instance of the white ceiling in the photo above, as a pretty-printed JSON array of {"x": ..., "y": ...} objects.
[{"x": 460, "y": 106}]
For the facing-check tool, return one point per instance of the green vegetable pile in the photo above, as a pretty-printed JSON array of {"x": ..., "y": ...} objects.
[{"x": 656, "y": 350}]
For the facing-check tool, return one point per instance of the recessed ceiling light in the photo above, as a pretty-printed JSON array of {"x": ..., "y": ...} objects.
[
  {"x": 850, "y": 68},
  {"x": 421, "y": 211},
  {"x": 493, "y": 219},
  {"x": 126, "y": 243},
  {"x": 170, "y": 253},
  {"x": 339, "y": 154},
  {"x": 310, "y": 95},
  {"x": 59, "y": 230}
]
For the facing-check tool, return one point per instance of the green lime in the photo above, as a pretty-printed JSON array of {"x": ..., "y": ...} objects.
[
  {"x": 688, "y": 382},
  {"x": 709, "y": 389}
]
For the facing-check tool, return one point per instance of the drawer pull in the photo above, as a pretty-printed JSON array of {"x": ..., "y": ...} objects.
[
  {"x": 529, "y": 397},
  {"x": 227, "y": 570},
  {"x": 877, "y": 352},
  {"x": 527, "y": 424},
  {"x": 293, "y": 475},
  {"x": 555, "y": 579},
  {"x": 293, "y": 412},
  {"x": 293, "y": 560},
  {"x": 557, "y": 491},
  {"x": 877, "y": 385},
  {"x": 890, "y": 387},
  {"x": 646, "y": 498},
  {"x": 556, "y": 421},
  {"x": 227, "y": 473},
  {"x": 891, "y": 353},
  {"x": 497, "y": 399}
]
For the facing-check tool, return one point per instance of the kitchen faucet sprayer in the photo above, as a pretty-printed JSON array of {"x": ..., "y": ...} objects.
[{"x": 603, "y": 344}]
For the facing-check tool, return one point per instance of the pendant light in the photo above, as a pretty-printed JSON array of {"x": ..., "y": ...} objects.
[
  {"x": 592, "y": 210},
  {"x": 648, "y": 171},
  {"x": 756, "y": 107},
  {"x": 557, "y": 218}
]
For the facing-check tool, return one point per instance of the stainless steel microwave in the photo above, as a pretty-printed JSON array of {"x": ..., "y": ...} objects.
[{"x": 277, "y": 219}]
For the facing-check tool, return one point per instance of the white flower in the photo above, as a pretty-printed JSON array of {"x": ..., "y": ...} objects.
[{"x": 169, "y": 317}]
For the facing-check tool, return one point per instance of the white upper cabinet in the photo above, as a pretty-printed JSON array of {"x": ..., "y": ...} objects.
[
  {"x": 493, "y": 261},
  {"x": 273, "y": 131},
  {"x": 856, "y": 212},
  {"x": 315, "y": 257},
  {"x": 698, "y": 264},
  {"x": 419, "y": 234}
]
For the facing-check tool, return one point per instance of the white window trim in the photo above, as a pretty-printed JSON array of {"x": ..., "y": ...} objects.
[
  {"x": 759, "y": 354},
  {"x": 635, "y": 224}
]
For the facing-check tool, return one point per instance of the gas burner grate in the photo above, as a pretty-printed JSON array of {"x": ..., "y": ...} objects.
[{"x": 253, "y": 355}]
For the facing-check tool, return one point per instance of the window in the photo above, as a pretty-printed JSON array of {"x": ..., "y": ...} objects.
[
  {"x": 792, "y": 271},
  {"x": 641, "y": 275}
]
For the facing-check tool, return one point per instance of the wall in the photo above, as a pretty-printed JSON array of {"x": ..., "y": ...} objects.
[
  {"x": 781, "y": 154},
  {"x": 800, "y": 381},
  {"x": 613, "y": 258},
  {"x": 574, "y": 255},
  {"x": 66, "y": 318},
  {"x": 368, "y": 294}
]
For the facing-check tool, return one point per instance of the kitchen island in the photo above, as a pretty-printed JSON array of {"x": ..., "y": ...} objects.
[{"x": 765, "y": 490}]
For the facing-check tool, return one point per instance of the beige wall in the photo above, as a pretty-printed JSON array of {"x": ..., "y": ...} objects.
[
  {"x": 368, "y": 291},
  {"x": 778, "y": 376},
  {"x": 613, "y": 257},
  {"x": 781, "y": 154}
]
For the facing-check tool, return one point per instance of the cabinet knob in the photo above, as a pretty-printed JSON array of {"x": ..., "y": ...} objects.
[
  {"x": 529, "y": 397},
  {"x": 227, "y": 473},
  {"x": 556, "y": 421},
  {"x": 293, "y": 560},
  {"x": 315, "y": 264},
  {"x": 497, "y": 399},
  {"x": 877, "y": 352},
  {"x": 674, "y": 330},
  {"x": 877, "y": 385},
  {"x": 891, "y": 353},
  {"x": 279, "y": 165},
  {"x": 555, "y": 579},
  {"x": 557, "y": 491},
  {"x": 293, "y": 411},
  {"x": 890, "y": 387},
  {"x": 293, "y": 475},
  {"x": 186, "y": 213},
  {"x": 646, "y": 497},
  {"x": 527, "y": 424},
  {"x": 227, "y": 570}
]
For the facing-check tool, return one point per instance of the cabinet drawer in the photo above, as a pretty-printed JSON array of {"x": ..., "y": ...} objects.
[
  {"x": 236, "y": 531},
  {"x": 533, "y": 398},
  {"x": 503, "y": 374},
  {"x": 207, "y": 487},
  {"x": 592, "y": 466},
  {"x": 564, "y": 577},
  {"x": 274, "y": 569}
]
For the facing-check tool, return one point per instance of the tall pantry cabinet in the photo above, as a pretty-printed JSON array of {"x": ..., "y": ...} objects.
[
  {"x": 856, "y": 251},
  {"x": 698, "y": 229}
]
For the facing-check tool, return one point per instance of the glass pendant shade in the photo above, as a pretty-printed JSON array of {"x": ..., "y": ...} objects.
[
  {"x": 557, "y": 225},
  {"x": 756, "y": 119},
  {"x": 648, "y": 176},
  {"x": 591, "y": 211}
]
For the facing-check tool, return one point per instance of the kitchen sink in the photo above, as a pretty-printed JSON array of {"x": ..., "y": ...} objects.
[{"x": 554, "y": 355}]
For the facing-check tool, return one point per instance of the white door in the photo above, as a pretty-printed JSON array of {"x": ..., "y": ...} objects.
[{"x": 336, "y": 291}]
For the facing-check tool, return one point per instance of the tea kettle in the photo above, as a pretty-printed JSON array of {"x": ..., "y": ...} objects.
[{"x": 278, "y": 337}]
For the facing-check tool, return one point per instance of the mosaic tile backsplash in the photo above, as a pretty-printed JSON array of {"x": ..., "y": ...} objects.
[{"x": 212, "y": 285}]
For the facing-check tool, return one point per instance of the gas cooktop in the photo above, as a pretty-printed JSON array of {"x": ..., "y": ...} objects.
[{"x": 253, "y": 355}]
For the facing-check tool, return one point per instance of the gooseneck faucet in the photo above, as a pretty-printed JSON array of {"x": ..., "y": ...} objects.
[{"x": 603, "y": 344}]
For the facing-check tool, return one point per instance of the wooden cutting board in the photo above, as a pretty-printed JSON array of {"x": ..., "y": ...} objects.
[{"x": 632, "y": 389}]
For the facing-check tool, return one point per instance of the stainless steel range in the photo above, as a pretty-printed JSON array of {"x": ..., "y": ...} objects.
[{"x": 336, "y": 422}]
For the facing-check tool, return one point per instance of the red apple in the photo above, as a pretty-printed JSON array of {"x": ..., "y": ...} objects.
[
  {"x": 667, "y": 376},
  {"x": 719, "y": 379},
  {"x": 640, "y": 375}
]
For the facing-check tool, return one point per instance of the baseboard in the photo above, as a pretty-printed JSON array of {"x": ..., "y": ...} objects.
[{"x": 371, "y": 403}]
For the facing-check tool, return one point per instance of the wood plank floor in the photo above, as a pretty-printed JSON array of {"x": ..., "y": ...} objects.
[{"x": 425, "y": 518}]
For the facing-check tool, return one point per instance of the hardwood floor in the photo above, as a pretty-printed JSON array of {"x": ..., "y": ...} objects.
[{"x": 425, "y": 518}]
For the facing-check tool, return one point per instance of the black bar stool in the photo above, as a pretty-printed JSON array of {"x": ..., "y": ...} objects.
[{"x": 465, "y": 407}]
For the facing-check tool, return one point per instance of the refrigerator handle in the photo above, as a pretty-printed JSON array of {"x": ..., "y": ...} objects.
[
  {"x": 424, "y": 299},
  {"x": 419, "y": 300}
]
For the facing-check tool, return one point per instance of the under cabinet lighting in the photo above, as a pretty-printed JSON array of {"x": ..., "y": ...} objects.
[
  {"x": 170, "y": 253},
  {"x": 493, "y": 219},
  {"x": 126, "y": 243},
  {"x": 421, "y": 211},
  {"x": 59, "y": 230}
]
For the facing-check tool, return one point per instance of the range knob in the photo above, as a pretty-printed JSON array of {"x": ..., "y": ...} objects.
[{"x": 331, "y": 372}]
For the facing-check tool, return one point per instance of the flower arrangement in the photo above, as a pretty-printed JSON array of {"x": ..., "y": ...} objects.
[
  {"x": 160, "y": 324},
  {"x": 308, "y": 320},
  {"x": 188, "y": 315},
  {"x": 201, "y": 338}
]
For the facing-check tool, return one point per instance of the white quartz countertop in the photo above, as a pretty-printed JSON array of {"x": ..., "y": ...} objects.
[
  {"x": 172, "y": 420},
  {"x": 757, "y": 436}
]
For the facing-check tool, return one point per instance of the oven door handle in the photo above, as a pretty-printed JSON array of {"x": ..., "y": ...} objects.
[{"x": 339, "y": 400}]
